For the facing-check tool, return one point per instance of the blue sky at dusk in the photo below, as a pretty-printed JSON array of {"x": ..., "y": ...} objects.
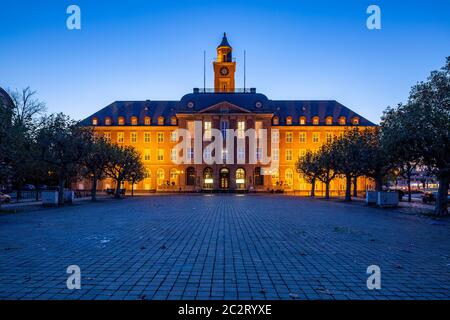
[{"x": 145, "y": 49}]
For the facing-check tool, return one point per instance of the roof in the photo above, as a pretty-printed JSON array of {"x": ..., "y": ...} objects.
[
  {"x": 255, "y": 103},
  {"x": 224, "y": 42}
]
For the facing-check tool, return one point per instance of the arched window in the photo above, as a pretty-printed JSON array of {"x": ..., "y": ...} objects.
[
  {"x": 134, "y": 121},
  {"x": 147, "y": 121},
  {"x": 160, "y": 177},
  {"x": 147, "y": 174},
  {"x": 108, "y": 121},
  {"x": 173, "y": 121},
  {"x": 342, "y": 121},
  {"x": 302, "y": 121},
  {"x": 258, "y": 177},
  {"x": 190, "y": 176},
  {"x": 121, "y": 121},
  {"x": 275, "y": 121},
  {"x": 329, "y": 121},
  {"x": 289, "y": 178},
  {"x": 315, "y": 121},
  {"x": 289, "y": 121},
  {"x": 208, "y": 178},
  {"x": 95, "y": 121},
  {"x": 240, "y": 178},
  {"x": 160, "y": 121},
  {"x": 275, "y": 177},
  {"x": 355, "y": 121},
  {"x": 173, "y": 177}
]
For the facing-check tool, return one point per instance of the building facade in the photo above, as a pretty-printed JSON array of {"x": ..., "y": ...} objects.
[{"x": 293, "y": 127}]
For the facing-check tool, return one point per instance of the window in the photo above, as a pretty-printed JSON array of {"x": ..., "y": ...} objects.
[
  {"x": 147, "y": 121},
  {"x": 174, "y": 136},
  {"x": 208, "y": 178},
  {"x": 190, "y": 176},
  {"x": 147, "y": 155},
  {"x": 289, "y": 177},
  {"x": 191, "y": 128},
  {"x": 191, "y": 153},
  {"x": 275, "y": 176},
  {"x": 241, "y": 154},
  {"x": 289, "y": 137},
  {"x": 173, "y": 175},
  {"x": 94, "y": 121},
  {"x": 174, "y": 121},
  {"x": 258, "y": 128},
  {"x": 224, "y": 155},
  {"x": 241, "y": 129},
  {"x": 302, "y": 137},
  {"x": 120, "y": 137},
  {"x": 275, "y": 136},
  {"x": 302, "y": 153},
  {"x": 258, "y": 177},
  {"x": 207, "y": 130},
  {"x": 288, "y": 154},
  {"x": 302, "y": 121},
  {"x": 173, "y": 155},
  {"x": 160, "y": 137},
  {"x": 275, "y": 121},
  {"x": 133, "y": 137},
  {"x": 160, "y": 177},
  {"x": 147, "y": 138},
  {"x": 147, "y": 174},
  {"x": 275, "y": 154},
  {"x": 329, "y": 137},
  {"x": 224, "y": 127},
  {"x": 240, "y": 178},
  {"x": 207, "y": 154},
  {"x": 316, "y": 137},
  {"x": 160, "y": 154},
  {"x": 108, "y": 121},
  {"x": 258, "y": 154},
  {"x": 355, "y": 121},
  {"x": 160, "y": 121},
  {"x": 107, "y": 136},
  {"x": 134, "y": 121},
  {"x": 121, "y": 121},
  {"x": 342, "y": 121},
  {"x": 329, "y": 121},
  {"x": 315, "y": 121},
  {"x": 289, "y": 121}
]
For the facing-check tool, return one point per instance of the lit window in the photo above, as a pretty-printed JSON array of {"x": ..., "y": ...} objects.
[
  {"x": 302, "y": 121},
  {"x": 302, "y": 153},
  {"x": 120, "y": 137},
  {"x": 108, "y": 121},
  {"x": 316, "y": 137},
  {"x": 160, "y": 154},
  {"x": 355, "y": 121},
  {"x": 276, "y": 121},
  {"x": 160, "y": 121},
  {"x": 342, "y": 121},
  {"x": 207, "y": 154},
  {"x": 147, "y": 121},
  {"x": 241, "y": 154},
  {"x": 289, "y": 177},
  {"x": 275, "y": 154},
  {"x": 173, "y": 154},
  {"x": 329, "y": 121},
  {"x": 329, "y": 137},
  {"x": 94, "y": 121},
  {"x": 160, "y": 177},
  {"x": 191, "y": 128},
  {"x": 121, "y": 121},
  {"x": 147, "y": 155},
  {"x": 289, "y": 136},
  {"x": 275, "y": 136},
  {"x": 174, "y": 136},
  {"x": 160, "y": 137},
  {"x": 241, "y": 129},
  {"x": 173, "y": 121},
  {"x": 315, "y": 121},
  {"x": 289, "y": 121},
  {"x": 107, "y": 136},
  {"x": 133, "y": 137},
  {"x": 224, "y": 127},
  {"x": 303, "y": 137},
  {"x": 288, "y": 154},
  {"x": 134, "y": 121},
  {"x": 207, "y": 130},
  {"x": 147, "y": 138}
]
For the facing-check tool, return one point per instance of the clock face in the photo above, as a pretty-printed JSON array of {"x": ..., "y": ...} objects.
[{"x": 224, "y": 71}]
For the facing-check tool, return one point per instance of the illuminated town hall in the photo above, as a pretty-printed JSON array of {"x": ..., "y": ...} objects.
[{"x": 293, "y": 126}]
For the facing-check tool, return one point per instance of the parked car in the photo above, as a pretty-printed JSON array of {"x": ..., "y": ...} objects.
[
  {"x": 429, "y": 197},
  {"x": 28, "y": 187},
  {"x": 4, "y": 198}
]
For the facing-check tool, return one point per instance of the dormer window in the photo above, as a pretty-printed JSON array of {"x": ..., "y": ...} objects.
[
  {"x": 173, "y": 121},
  {"x": 342, "y": 121},
  {"x": 315, "y": 121},
  {"x": 108, "y": 121},
  {"x": 289, "y": 121},
  {"x": 134, "y": 121},
  {"x": 329, "y": 121},
  {"x": 302, "y": 121},
  {"x": 276, "y": 121},
  {"x": 355, "y": 121},
  {"x": 147, "y": 121},
  {"x": 121, "y": 121},
  {"x": 94, "y": 121},
  {"x": 160, "y": 121}
]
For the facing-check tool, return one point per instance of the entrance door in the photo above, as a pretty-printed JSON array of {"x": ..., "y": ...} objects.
[{"x": 224, "y": 179}]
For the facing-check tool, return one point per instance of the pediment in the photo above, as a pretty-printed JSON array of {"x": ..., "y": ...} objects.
[{"x": 224, "y": 107}]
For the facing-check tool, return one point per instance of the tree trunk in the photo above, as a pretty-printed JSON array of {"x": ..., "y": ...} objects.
[
  {"x": 313, "y": 187},
  {"x": 94, "y": 189},
  {"x": 118, "y": 194},
  {"x": 327, "y": 190},
  {"x": 441, "y": 200},
  {"x": 355, "y": 186},
  {"x": 132, "y": 189},
  {"x": 61, "y": 191},
  {"x": 408, "y": 180},
  {"x": 379, "y": 183},
  {"x": 348, "y": 187}
]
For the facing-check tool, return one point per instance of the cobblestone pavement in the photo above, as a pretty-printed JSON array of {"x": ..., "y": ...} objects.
[{"x": 223, "y": 247}]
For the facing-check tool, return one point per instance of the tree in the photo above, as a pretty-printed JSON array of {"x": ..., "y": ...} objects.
[
  {"x": 308, "y": 168},
  {"x": 99, "y": 155},
  {"x": 326, "y": 162},
  {"x": 26, "y": 107},
  {"x": 123, "y": 165},
  {"x": 137, "y": 174},
  {"x": 62, "y": 144}
]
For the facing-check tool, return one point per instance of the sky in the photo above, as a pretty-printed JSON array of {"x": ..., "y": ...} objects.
[{"x": 153, "y": 49}]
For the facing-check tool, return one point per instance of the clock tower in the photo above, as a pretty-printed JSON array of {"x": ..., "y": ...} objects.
[{"x": 224, "y": 67}]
